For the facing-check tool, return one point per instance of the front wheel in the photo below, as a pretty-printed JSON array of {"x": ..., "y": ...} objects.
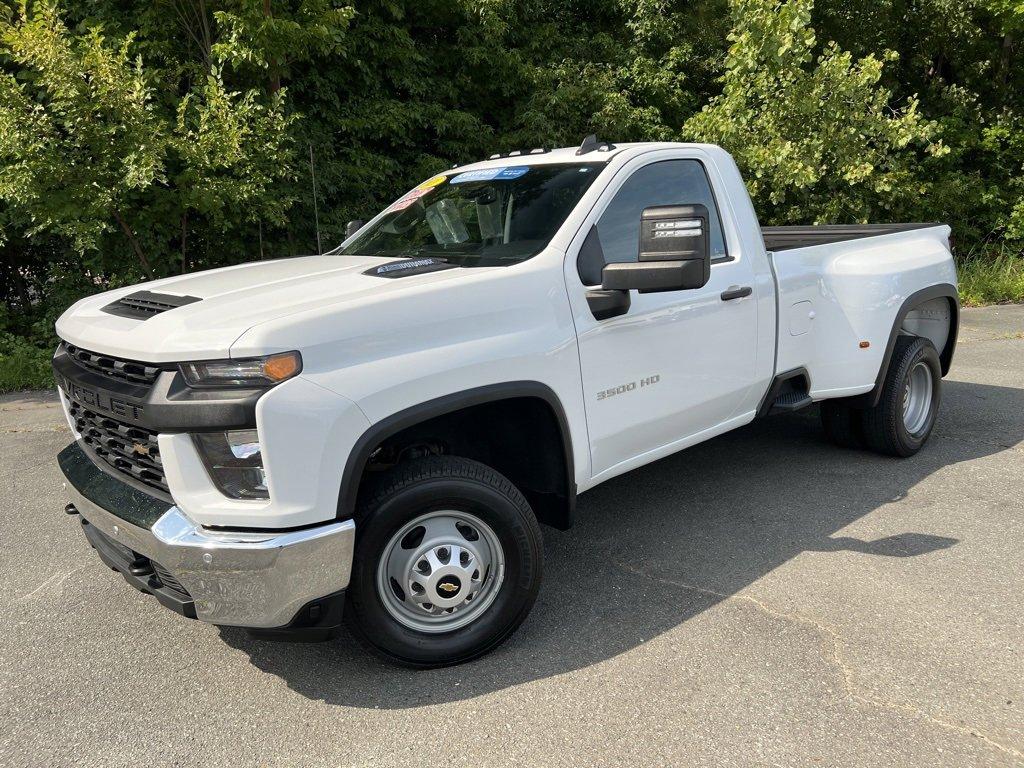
[{"x": 448, "y": 562}]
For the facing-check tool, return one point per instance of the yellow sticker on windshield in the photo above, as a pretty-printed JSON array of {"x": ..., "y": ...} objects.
[{"x": 431, "y": 183}]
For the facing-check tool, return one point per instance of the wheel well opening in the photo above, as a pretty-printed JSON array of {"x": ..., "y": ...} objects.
[
  {"x": 519, "y": 437},
  {"x": 936, "y": 320}
]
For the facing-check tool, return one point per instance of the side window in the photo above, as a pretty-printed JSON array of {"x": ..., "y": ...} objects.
[{"x": 670, "y": 182}]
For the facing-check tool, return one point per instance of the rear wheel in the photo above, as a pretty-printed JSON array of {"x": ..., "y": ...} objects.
[
  {"x": 903, "y": 419},
  {"x": 447, "y": 565}
]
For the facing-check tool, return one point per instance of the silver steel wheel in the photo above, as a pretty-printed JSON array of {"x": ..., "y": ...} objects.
[
  {"x": 917, "y": 398},
  {"x": 440, "y": 571}
]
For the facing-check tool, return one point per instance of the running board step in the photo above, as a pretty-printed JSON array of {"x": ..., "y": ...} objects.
[{"x": 791, "y": 401}]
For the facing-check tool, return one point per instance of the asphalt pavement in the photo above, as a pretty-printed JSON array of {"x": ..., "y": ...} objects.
[{"x": 762, "y": 599}]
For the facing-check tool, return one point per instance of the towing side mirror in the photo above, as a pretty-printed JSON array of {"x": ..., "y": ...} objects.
[
  {"x": 353, "y": 226},
  {"x": 674, "y": 252}
]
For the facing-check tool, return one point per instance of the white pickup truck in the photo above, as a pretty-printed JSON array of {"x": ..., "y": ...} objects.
[{"x": 376, "y": 432}]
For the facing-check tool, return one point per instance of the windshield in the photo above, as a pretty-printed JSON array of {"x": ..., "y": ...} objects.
[{"x": 491, "y": 217}]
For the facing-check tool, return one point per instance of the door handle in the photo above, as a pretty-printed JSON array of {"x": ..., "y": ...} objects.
[{"x": 735, "y": 292}]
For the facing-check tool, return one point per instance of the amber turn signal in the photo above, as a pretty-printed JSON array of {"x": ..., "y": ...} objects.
[{"x": 283, "y": 366}]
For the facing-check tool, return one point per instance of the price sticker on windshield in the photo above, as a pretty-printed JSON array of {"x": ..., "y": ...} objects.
[
  {"x": 431, "y": 183},
  {"x": 416, "y": 193},
  {"x": 491, "y": 174}
]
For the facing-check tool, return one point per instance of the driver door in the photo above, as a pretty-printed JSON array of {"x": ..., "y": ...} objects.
[{"x": 678, "y": 366}]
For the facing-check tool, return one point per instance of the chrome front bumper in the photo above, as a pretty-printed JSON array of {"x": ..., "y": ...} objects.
[{"x": 258, "y": 580}]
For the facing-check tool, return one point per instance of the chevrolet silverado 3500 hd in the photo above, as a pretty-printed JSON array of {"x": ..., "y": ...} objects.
[{"x": 378, "y": 431}]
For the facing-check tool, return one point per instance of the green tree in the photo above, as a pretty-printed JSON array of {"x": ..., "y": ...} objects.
[
  {"x": 232, "y": 152},
  {"x": 87, "y": 150},
  {"x": 816, "y": 135},
  {"x": 78, "y": 134},
  {"x": 254, "y": 38}
]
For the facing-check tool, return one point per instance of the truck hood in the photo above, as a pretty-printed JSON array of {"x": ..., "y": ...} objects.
[{"x": 227, "y": 302}]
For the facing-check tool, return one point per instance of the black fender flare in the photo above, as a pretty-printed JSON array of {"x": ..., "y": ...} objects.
[
  {"x": 942, "y": 290},
  {"x": 391, "y": 425}
]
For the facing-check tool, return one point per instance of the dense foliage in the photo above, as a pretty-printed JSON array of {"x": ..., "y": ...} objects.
[{"x": 147, "y": 137}]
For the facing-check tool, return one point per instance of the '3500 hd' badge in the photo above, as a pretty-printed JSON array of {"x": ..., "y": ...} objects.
[{"x": 650, "y": 381}]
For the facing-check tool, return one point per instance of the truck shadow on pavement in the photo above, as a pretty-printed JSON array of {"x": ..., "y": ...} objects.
[{"x": 658, "y": 546}]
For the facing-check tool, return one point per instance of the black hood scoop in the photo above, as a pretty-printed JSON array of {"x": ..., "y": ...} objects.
[{"x": 143, "y": 305}]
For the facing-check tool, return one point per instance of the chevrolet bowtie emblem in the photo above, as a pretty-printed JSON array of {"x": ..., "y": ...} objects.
[{"x": 447, "y": 587}]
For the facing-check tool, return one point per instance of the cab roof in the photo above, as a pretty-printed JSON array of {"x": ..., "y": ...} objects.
[{"x": 600, "y": 154}]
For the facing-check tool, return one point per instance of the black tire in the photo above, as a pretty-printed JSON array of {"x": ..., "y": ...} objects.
[
  {"x": 843, "y": 425},
  {"x": 884, "y": 428},
  {"x": 443, "y": 482}
]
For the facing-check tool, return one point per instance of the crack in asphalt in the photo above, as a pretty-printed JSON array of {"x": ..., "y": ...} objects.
[
  {"x": 835, "y": 641},
  {"x": 56, "y": 580}
]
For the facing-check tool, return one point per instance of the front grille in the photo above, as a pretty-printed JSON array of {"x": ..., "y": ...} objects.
[
  {"x": 112, "y": 367},
  {"x": 131, "y": 450}
]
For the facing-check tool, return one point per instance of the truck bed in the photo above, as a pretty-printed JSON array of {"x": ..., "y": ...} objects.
[
  {"x": 784, "y": 238},
  {"x": 837, "y": 302}
]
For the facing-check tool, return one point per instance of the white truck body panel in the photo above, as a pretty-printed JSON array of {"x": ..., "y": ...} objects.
[
  {"x": 234, "y": 299},
  {"x": 832, "y": 297},
  {"x": 372, "y": 347}
]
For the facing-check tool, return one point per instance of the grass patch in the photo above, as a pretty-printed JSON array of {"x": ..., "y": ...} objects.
[
  {"x": 23, "y": 366},
  {"x": 992, "y": 277}
]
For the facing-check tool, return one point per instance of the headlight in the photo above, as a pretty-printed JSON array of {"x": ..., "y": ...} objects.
[
  {"x": 235, "y": 462},
  {"x": 251, "y": 372}
]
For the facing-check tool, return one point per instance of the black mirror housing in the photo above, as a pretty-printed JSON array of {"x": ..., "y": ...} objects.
[
  {"x": 654, "y": 276},
  {"x": 674, "y": 253},
  {"x": 605, "y": 304},
  {"x": 353, "y": 226},
  {"x": 674, "y": 233}
]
